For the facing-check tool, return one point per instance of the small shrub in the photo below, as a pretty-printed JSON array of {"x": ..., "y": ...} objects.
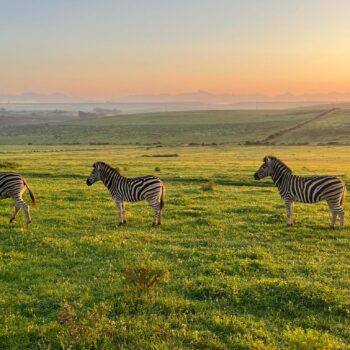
[
  {"x": 299, "y": 339},
  {"x": 157, "y": 168},
  {"x": 90, "y": 328},
  {"x": 125, "y": 168},
  {"x": 117, "y": 169},
  {"x": 144, "y": 276},
  {"x": 208, "y": 186},
  {"x": 9, "y": 165}
]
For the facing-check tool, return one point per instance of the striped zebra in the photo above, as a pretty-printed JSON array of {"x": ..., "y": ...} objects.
[
  {"x": 126, "y": 189},
  {"x": 293, "y": 188},
  {"x": 13, "y": 186}
]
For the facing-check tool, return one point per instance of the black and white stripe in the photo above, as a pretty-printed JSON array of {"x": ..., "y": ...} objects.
[
  {"x": 293, "y": 188},
  {"x": 13, "y": 186},
  {"x": 126, "y": 189}
]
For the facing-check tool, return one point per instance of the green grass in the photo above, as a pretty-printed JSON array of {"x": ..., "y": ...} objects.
[{"x": 236, "y": 277}]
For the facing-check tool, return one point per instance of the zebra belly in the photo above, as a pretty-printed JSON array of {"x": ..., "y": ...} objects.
[
  {"x": 308, "y": 201},
  {"x": 301, "y": 198},
  {"x": 127, "y": 199}
]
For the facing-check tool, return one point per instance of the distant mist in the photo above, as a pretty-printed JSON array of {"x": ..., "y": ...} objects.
[{"x": 189, "y": 101}]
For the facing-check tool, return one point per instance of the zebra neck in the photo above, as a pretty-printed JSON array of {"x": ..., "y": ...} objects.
[
  {"x": 110, "y": 177},
  {"x": 281, "y": 177}
]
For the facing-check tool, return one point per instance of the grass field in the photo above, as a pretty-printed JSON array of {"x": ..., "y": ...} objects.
[{"x": 231, "y": 275}]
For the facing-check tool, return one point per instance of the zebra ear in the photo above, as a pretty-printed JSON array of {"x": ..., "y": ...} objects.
[{"x": 267, "y": 160}]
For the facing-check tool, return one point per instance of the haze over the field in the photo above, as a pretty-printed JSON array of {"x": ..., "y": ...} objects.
[{"x": 109, "y": 49}]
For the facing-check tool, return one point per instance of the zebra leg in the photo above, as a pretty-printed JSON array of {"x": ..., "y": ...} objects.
[
  {"x": 156, "y": 206},
  {"x": 120, "y": 211},
  {"x": 123, "y": 213},
  {"x": 289, "y": 212},
  {"x": 340, "y": 212},
  {"x": 160, "y": 216},
  {"x": 334, "y": 217},
  {"x": 13, "y": 217},
  {"x": 155, "y": 218},
  {"x": 292, "y": 214},
  {"x": 336, "y": 209},
  {"x": 22, "y": 204},
  {"x": 341, "y": 216}
]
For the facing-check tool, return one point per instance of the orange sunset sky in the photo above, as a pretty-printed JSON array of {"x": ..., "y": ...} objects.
[{"x": 109, "y": 49}]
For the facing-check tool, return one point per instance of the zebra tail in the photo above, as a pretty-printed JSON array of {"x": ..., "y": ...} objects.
[
  {"x": 343, "y": 197},
  {"x": 32, "y": 197},
  {"x": 162, "y": 198}
]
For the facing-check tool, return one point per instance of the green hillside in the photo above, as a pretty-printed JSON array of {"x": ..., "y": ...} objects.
[
  {"x": 191, "y": 128},
  {"x": 172, "y": 128}
]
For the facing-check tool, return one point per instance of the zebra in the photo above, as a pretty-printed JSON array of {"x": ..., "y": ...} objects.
[
  {"x": 122, "y": 189},
  {"x": 293, "y": 188},
  {"x": 13, "y": 185}
]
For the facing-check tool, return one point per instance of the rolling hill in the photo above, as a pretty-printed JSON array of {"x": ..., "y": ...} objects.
[{"x": 293, "y": 126}]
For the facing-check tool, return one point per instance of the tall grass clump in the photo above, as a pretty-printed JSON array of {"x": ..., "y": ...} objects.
[
  {"x": 144, "y": 276},
  {"x": 8, "y": 165},
  {"x": 209, "y": 186},
  {"x": 82, "y": 328}
]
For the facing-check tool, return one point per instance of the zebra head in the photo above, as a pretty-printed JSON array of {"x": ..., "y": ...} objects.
[
  {"x": 95, "y": 174},
  {"x": 264, "y": 170}
]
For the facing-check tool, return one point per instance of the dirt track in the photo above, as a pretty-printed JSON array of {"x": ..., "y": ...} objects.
[{"x": 272, "y": 138}]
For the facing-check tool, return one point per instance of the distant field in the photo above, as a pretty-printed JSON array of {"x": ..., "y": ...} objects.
[
  {"x": 20, "y": 118},
  {"x": 237, "y": 278},
  {"x": 184, "y": 128}
]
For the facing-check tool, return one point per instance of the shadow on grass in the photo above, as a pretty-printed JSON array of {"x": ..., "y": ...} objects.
[
  {"x": 222, "y": 182},
  {"x": 289, "y": 299},
  {"x": 56, "y": 176}
]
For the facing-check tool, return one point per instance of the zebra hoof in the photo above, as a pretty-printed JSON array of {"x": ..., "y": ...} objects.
[
  {"x": 120, "y": 224},
  {"x": 124, "y": 222},
  {"x": 11, "y": 220},
  {"x": 331, "y": 227}
]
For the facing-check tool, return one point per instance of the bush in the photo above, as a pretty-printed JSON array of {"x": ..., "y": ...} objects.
[
  {"x": 145, "y": 276},
  {"x": 90, "y": 328},
  {"x": 208, "y": 186},
  {"x": 9, "y": 165},
  {"x": 157, "y": 168}
]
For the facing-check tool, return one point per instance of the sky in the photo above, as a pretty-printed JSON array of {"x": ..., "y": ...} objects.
[{"x": 107, "y": 49}]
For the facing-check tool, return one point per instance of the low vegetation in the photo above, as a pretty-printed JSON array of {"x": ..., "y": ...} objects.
[
  {"x": 209, "y": 186},
  {"x": 8, "y": 165},
  {"x": 144, "y": 276}
]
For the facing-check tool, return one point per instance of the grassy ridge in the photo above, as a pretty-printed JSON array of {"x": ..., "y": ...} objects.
[{"x": 238, "y": 278}]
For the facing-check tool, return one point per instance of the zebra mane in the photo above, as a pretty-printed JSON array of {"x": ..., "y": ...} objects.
[
  {"x": 105, "y": 166},
  {"x": 276, "y": 160}
]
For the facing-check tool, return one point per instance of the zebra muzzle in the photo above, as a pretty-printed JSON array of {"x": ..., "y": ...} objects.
[{"x": 88, "y": 182}]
